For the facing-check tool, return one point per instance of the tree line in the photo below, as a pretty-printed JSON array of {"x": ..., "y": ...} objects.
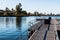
[{"x": 19, "y": 12}]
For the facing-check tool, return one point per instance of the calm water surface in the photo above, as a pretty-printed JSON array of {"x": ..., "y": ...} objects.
[{"x": 10, "y": 29}]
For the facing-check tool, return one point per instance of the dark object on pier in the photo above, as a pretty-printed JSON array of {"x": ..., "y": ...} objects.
[
  {"x": 49, "y": 18},
  {"x": 47, "y": 21},
  {"x": 31, "y": 32}
]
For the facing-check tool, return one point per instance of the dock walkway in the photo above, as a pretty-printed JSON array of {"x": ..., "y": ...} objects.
[{"x": 44, "y": 33}]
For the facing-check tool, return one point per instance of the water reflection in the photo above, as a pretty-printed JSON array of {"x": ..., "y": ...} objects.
[
  {"x": 7, "y": 21},
  {"x": 18, "y": 22},
  {"x": 14, "y": 28}
]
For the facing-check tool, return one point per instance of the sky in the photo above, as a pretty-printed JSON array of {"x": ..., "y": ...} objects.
[{"x": 44, "y": 6}]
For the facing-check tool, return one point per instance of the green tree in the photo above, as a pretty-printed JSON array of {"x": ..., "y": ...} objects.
[
  {"x": 18, "y": 9},
  {"x": 7, "y": 12},
  {"x": 36, "y": 13},
  {"x": 24, "y": 13},
  {"x": 7, "y": 9}
]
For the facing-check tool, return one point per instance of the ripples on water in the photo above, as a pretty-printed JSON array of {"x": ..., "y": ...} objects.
[{"x": 10, "y": 29}]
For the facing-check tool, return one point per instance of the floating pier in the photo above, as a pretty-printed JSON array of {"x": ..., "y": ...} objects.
[{"x": 44, "y": 31}]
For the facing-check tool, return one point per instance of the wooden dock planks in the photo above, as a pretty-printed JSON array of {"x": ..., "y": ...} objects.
[
  {"x": 39, "y": 34},
  {"x": 51, "y": 33},
  {"x": 36, "y": 26}
]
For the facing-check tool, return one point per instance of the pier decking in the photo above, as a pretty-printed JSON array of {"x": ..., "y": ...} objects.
[{"x": 46, "y": 31}]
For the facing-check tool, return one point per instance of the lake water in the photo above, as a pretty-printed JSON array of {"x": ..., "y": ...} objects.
[{"x": 10, "y": 29}]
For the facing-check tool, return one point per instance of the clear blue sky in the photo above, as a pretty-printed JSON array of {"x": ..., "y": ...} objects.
[{"x": 33, "y": 5}]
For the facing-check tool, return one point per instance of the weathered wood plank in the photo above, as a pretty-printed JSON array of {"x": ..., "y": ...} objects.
[
  {"x": 39, "y": 34},
  {"x": 58, "y": 27},
  {"x": 51, "y": 33},
  {"x": 36, "y": 26}
]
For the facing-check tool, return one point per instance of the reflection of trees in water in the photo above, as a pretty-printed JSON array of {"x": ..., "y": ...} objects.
[
  {"x": 18, "y": 22},
  {"x": 24, "y": 19},
  {"x": 7, "y": 20},
  {"x": 18, "y": 26}
]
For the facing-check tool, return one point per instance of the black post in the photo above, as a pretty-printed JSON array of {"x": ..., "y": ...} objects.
[
  {"x": 49, "y": 20},
  {"x": 49, "y": 23}
]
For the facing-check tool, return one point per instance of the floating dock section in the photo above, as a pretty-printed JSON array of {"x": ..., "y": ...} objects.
[{"x": 44, "y": 31}]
